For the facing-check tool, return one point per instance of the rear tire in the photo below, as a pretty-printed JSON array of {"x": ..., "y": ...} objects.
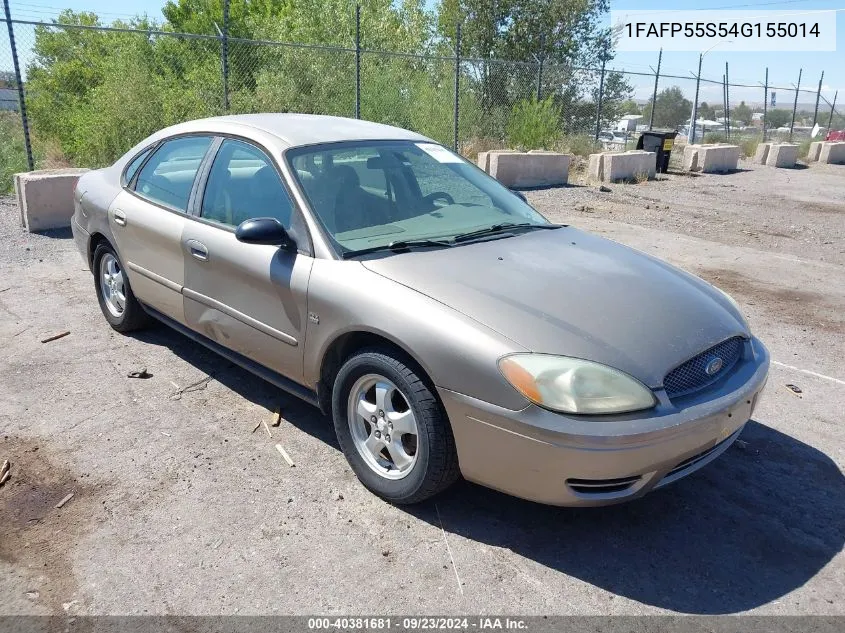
[
  {"x": 392, "y": 429},
  {"x": 117, "y": 301}
]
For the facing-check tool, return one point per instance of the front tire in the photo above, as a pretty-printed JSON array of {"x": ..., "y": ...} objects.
[
  {"x": 117, "y": 301},
  {"x": 392, "y": 429}
]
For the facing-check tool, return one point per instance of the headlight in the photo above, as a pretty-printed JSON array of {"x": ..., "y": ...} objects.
[{"x": 572, "y": 385}]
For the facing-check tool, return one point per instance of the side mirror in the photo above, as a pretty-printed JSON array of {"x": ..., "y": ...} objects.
[
  {"x": 264, "y": 231},
  {"x": 519, "y": 195}
]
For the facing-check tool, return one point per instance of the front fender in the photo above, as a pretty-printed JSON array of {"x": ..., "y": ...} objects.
[{"x": 456, "y": 352}]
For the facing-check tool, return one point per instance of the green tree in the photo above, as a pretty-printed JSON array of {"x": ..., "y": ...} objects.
[
  {"x": 629, "y": 106},
  {"x": 616, "y": 98},
  {"x": 534, "y": 124},
  {"x": 706, "y": 111},
  {"x": 671, "y": 109},
  {"x": 778, "y": 118},
  {"x": 741, "y": 114}
]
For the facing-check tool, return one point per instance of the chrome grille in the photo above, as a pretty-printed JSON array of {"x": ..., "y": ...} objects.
[{"x": 692, "y": 375}]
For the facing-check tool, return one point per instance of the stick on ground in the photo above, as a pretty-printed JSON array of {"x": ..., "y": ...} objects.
[
  {"x": 55, "y": 337},
  {"x": 284, "y": 453},
  {"x": 64, "y": 501}
]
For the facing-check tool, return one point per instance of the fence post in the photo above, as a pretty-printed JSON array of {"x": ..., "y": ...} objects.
[
  {"x": 457, "y": 83},
  {"x": 540, "y": 61},
  {"x": 357, "y": 61},
  {"x": 818, "y": 96},
  {"x": 601, "y": 96},
  {"x": 21, "y": 93},
  {"x": 695, "y": 102},
  {"x": 765, "y": 102},
  {"x": 654, "y": 95},
  {"x": 727, "y": 102},
  {"x": 832, "y": 108},
  {"x": 795, "y": 104},
  {"x": 224, "y": 52}
]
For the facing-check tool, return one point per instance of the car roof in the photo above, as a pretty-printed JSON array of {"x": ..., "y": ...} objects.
[{"x": 295, "y": 130}]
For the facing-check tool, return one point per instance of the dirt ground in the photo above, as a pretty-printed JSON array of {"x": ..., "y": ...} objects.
[{"x": 179, "y": 507}]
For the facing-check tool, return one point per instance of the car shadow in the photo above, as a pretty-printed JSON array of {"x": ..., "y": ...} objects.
[
  {"x": 756, "y": 524},
  {"x": 299, "y": 413},
  {"x": 57, "y": 234}
]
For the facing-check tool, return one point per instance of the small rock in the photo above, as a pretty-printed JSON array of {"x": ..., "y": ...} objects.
[
  {"x": 604, "y": 189},
  {"x": 32, "y": 595},
  {"x": 385, "y": 552},
  {"x": 648, "y": 206},
  {"x": 340, "y": 497}
]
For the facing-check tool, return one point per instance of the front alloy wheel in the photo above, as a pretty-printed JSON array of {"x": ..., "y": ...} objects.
[
  {"x": 383, "y": 426},
  {"x": 391, "y": 427}
]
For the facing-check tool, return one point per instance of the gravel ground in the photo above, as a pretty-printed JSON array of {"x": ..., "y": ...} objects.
[{"x": 180, "y": 508}]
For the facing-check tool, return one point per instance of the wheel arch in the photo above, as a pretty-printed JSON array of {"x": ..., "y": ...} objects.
[
  {"x": 97, "y": 238},
  {"x": 346, "y": 344}
]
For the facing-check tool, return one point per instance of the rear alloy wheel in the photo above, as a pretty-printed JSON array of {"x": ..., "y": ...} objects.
[
  {"x": 118, "y": 303},
  {"x": 392, "y": 429}
]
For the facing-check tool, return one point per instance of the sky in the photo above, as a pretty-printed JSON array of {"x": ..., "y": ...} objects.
[{"x": 744, "y": 67}]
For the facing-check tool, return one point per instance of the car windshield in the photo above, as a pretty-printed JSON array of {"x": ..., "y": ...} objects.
[{"x": 371, "y": 194}]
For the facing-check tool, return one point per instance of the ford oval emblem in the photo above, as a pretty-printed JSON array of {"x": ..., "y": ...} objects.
[{"x": 713, "y": 366}]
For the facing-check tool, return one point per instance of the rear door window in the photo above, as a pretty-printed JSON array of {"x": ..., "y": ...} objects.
[
  {"x": 129, "y": 174},
  {"x": 168, "y": 176}
]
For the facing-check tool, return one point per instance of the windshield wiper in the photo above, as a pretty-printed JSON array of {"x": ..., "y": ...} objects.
[
  {"x": 400, "y": 245},
  {"x": 504, "y": 226}
]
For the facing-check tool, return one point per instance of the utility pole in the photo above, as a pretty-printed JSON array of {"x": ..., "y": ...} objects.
[
  {"x": 695, "y": 103},
  {"x": 818, "y": 96},
  {"x": 795, "y": 104},
  {"x": 654, "y": 95},
  {"x": 765, "y": 102}
]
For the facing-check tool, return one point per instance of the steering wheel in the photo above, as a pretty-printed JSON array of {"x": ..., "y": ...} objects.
[{"x": 439, "y": 195}]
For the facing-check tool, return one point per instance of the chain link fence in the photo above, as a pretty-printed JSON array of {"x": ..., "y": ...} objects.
[{"x": 91, "y": 92}]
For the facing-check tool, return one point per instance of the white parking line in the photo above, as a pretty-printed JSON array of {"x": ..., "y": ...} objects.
[
  {"x": 810, "y": 373},
  {"x": 449, "y": 549}
]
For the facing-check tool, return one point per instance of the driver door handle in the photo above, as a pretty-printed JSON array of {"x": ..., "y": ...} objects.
[
  {"x": 119, "y": 217},
  {"x": 197, "y": 250}
]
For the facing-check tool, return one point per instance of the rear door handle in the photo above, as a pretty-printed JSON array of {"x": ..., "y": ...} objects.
[
  {"x": 119, "y": 217},
  {"x": 197, "y": 250}
]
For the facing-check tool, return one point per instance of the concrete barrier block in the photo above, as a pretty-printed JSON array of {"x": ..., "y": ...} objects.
[
  {"x": 595, "y": 167},
  {"x": 782, "y": 155},
  {"x": 762, "y": 153},
  {"x": 711, "y": 158},
  {"x": 832, "y": 153},
  {"x": 46, "y": 197},
  {"x": 19, "y": 195},
  {"x": 541, "y": 169},
  {"x": 485, "y": 157},
  {"x": 631, "y": 165},
  {"x": 691, "y": 158},
  {"x": 622, "y": 166},
  {"x": 815, "y": 149}
]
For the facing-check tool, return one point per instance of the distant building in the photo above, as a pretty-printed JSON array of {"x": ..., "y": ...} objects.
[
  {"x": 8, "y": 99},
  {"x": 628, "y": 123}
]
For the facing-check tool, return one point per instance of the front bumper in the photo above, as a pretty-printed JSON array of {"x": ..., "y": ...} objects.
[{"x": 558, "y": 459}]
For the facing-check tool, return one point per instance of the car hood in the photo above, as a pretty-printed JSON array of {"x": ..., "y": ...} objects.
[{"x": 567, "y": 292}]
